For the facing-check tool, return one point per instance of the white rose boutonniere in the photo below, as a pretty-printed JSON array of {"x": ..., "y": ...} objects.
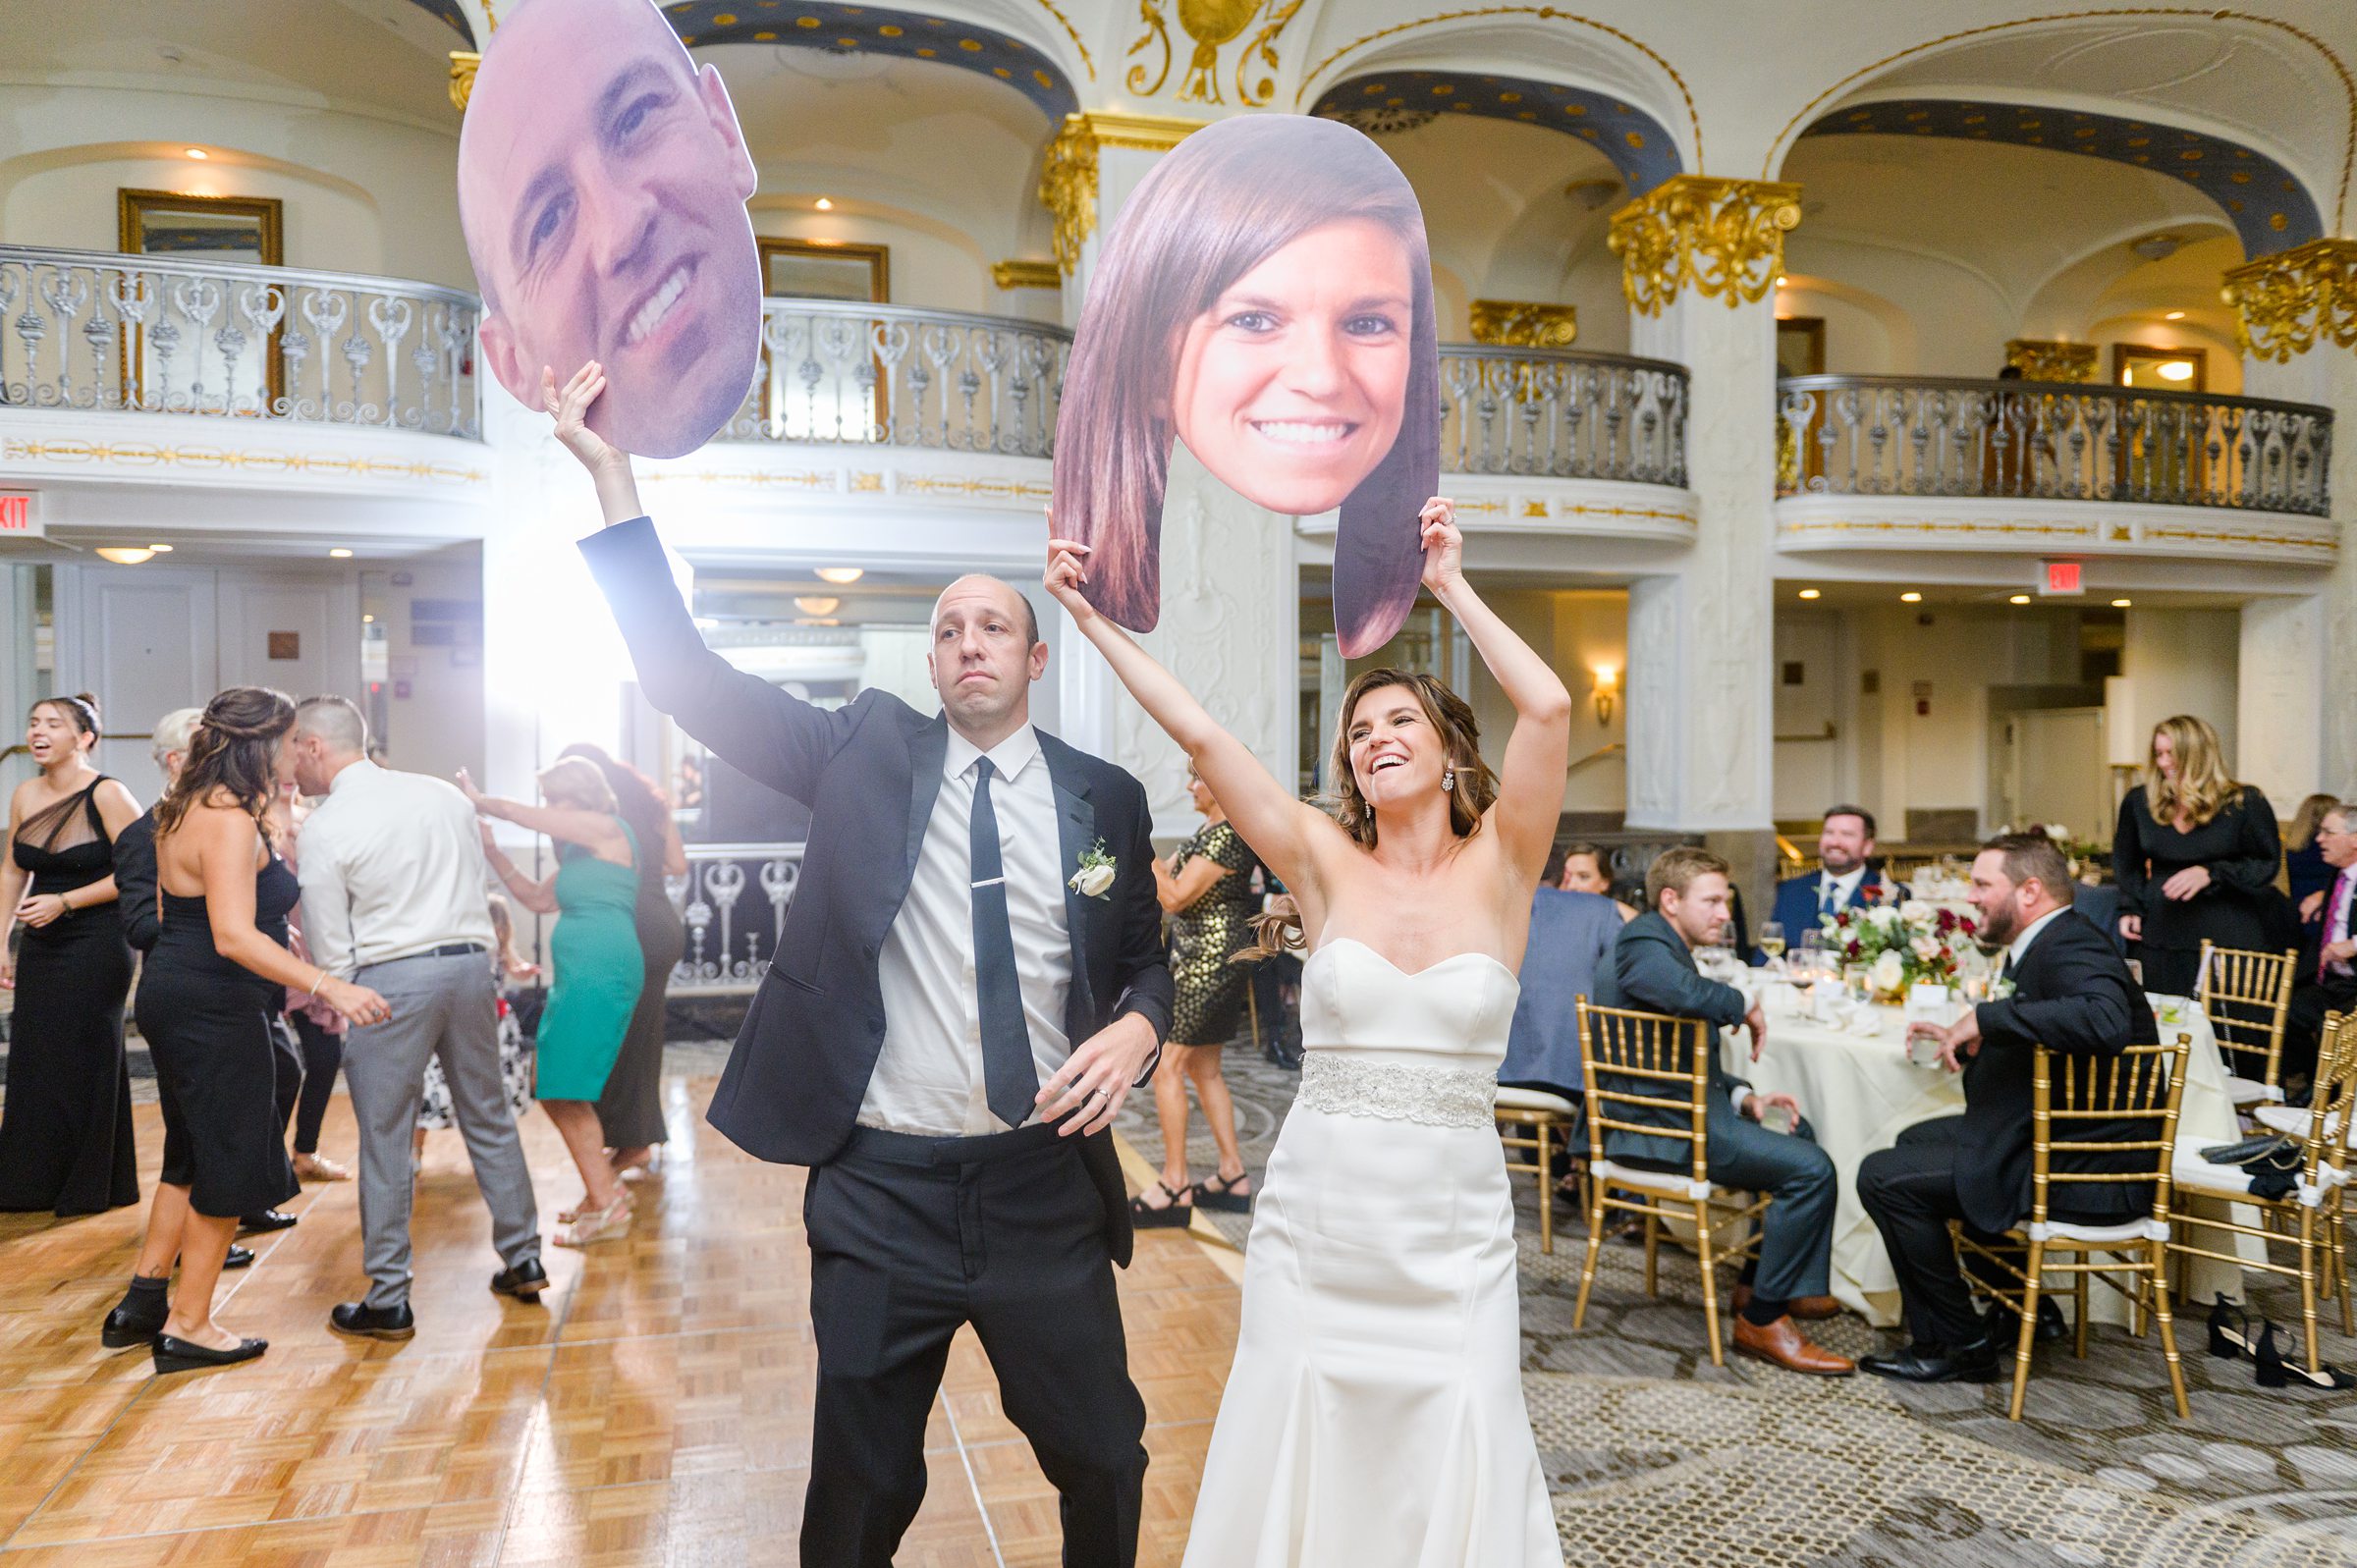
[
  {"x": 2001, "y": 988},
  {"x": 1094, "y": 879}
]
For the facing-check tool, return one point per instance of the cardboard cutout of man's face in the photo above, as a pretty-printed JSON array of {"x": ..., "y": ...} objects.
[
  {"x": 1264, "y": 301},
  {"x": 602, "y": 183}
]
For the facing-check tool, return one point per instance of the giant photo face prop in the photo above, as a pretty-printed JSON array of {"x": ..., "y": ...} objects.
[
  {"x": 602, "y": 183},
  {"x": 1264, "y": 298}
]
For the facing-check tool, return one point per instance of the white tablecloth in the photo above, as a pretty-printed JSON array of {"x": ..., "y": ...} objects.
[{"x": 1861, "y": 1092}]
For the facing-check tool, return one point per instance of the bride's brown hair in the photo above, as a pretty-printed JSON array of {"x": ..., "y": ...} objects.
[{"x": 1470, "y": 793}]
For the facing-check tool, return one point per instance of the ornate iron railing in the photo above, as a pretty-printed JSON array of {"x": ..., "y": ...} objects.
[
  {"x": 893, "y": 375},
  {"x": 1940, "y": 436},
  {"x": 1562, "y": 413},
  {"x": 89, "y": 330},
  {"x": 733, "y": 901}
]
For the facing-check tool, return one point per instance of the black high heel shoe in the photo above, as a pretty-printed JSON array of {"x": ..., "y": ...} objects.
[
  {"x": 181, "y": 1355},
  {"x": 2229, "y": 1330},
  {"x": 2277, "y": 1372},
  {"x": 1176, "y": 1215}
]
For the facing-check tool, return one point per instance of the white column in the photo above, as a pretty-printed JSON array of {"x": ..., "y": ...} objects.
[
  {"x": 2325, "y": 375},
  {"x": 1701, "y": 642},
  {"x": 2280, "y": 699}
]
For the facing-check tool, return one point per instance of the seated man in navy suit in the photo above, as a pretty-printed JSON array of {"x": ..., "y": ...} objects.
[{"x": 1846, "y": 878}]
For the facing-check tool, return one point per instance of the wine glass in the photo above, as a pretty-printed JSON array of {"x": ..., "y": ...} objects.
[{"x": 1771, "y": 940}]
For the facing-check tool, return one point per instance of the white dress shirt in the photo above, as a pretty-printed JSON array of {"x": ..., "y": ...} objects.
[
  {"x": 1843, "y": 886},
  {"x": 928, "y": 1077},
  {"x": 2029, "y": 933},
  {"x": 392, "y": 866}
]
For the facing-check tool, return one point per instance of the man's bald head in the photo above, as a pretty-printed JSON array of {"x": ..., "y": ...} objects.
[
  {"x": 984, "y": 655},
  {"x": 602, "y": 182},
  {"x": 1011, "y": 598}
]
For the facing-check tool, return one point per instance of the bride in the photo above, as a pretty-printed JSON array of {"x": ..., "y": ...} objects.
[{"x": 1373, "y": 1414}]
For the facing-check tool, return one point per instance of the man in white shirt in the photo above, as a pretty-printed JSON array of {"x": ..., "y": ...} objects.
[{"x": 392, "y": 897}]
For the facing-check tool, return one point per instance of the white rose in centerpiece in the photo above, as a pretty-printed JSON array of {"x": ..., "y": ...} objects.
[
  {"x": 1883, "y": 917},
  {"x": 1091, "y": 882},
  {"x": 1889, "y": 971},
  {"x": 1917, "y": 912},
  {"x": 1926, "y": 947}
]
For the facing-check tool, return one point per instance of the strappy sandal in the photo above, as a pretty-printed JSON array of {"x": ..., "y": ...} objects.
[
  {"x": 2277, "y": 1372},
  {"x": 2230, "y": 1331},
  {"x": 1218, "y": 1192},
  {"x": 1174, "y": 1214}
]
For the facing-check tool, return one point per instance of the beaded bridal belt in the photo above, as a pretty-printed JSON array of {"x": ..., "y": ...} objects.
[{"x": 1343, "y": 1085}]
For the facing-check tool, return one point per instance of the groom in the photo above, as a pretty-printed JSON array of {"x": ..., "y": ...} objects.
[{"x": 971, "y": 978}]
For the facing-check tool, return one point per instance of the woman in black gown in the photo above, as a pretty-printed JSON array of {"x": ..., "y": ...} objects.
[
  {"x": 66, "y": 1134},
  {"x": 212, "y": 986},
  {"x": 2195, "y": 855}
]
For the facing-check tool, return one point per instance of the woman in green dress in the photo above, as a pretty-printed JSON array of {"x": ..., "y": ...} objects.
[{"x": 594, "y": 890}]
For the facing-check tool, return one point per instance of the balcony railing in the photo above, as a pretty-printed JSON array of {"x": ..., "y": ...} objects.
[
  {"x": 733, "y": 901},
  {"x": 2048, "y": 441},
  {"x": 1562, "y": 413},
  {"x": 89, "y": 330},
  {"x": 893, "y": 375}
]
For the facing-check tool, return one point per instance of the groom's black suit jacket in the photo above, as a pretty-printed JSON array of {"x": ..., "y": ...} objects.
[{"x": 870, "y": 773}]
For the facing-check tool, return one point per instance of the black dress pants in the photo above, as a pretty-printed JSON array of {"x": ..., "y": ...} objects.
[
  {"x": 1910, "y": 1191},
  {"x": 912, "y": 1238},
  {"x": 322, "y": 1054},
  {"x": 2304, "y": 1028}
]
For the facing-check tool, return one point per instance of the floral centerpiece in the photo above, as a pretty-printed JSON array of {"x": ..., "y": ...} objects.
[{"x": 1898, "y": 948}]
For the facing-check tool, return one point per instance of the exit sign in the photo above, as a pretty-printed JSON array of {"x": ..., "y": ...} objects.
[
  {"x": 2064, "y": 577},
  {"x": 17, "y": 520}
]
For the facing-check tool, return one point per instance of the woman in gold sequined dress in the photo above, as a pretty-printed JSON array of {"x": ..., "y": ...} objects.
[{"x": 1207, "y": 888}]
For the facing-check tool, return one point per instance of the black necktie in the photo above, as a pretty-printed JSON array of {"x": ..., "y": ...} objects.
[{"x": 1008, "y": 1077}]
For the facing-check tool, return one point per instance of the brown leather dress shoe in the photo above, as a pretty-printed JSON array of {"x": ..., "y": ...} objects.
[
  {"x": 1782, "y": 1344},
  {"x": 1808, "y": 1309}
]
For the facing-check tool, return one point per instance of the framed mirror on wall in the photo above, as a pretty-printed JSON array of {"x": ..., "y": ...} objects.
[
  {"x": 165, "y": 224},
  {"x": 813, "y": 382}
]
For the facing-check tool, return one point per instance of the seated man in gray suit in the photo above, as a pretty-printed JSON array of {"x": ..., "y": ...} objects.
[{"x": 1653, "y": 970}]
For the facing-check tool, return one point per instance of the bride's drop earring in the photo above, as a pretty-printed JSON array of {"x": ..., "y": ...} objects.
[{"x": 1448, "y": 780}]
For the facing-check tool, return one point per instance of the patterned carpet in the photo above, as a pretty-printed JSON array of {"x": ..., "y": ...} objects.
[{"x": 1658, "y": 1458}]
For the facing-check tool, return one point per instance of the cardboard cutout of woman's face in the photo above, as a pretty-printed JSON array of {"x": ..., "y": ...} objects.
[
  {"x": 1264, "y": 298},
  {"x": 602, "y": 183}
]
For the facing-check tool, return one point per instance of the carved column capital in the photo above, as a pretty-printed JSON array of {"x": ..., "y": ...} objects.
[
  {"x": 461, "y": 77},
  {"x": 1067, "y": 182},
  {"x": 1723, "y": 238},
  {"x": 2288, "y": 303}
]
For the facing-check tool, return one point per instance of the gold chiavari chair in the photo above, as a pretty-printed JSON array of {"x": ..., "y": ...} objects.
[
  {"x": 2310, "y": 1219},
  {"x": 2140, "y": 1088},
  {"x": 1649, "y": 1060},
  {"x": 1540, "y": 1123},
  {"x": 2247, "y": 997}
]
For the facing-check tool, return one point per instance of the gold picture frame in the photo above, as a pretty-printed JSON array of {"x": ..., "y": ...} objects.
[
  {"x": 138, "y": 234},
  {"x": 877, "y": 260}
]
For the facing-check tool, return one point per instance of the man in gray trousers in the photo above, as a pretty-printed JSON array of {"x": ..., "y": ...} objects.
[{"x": 392, "y": 897}]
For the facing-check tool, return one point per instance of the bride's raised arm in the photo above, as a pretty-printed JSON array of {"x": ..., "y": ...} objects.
[
  {"x": 1530, "y": 781},
  {"x": 1279, "y": 828}
]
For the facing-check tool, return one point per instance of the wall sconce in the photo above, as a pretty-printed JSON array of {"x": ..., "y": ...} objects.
[{"x": 1607, "y": 686}]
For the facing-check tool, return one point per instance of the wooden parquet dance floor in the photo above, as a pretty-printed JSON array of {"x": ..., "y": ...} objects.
[{"x": 655, "y": 1408}]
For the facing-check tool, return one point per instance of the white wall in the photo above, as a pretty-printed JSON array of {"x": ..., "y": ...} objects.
[
  {"x": 362, "y": 193},
  {"x": 2182, "y": 661},
  {"x": 438, "y": 728}
]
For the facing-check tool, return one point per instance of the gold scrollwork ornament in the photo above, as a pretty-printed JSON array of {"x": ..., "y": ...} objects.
[
  {"x": 2042, "y": 359},
  {"x": 2287, "y": 303},
  {"x": 1263, "y": 50},
  {"x": 1149, "y": 12},
  {"x": 1724, "y": 237},
  {"x": 1067, "y": 188},
  {"x": 463, "y": 63}
]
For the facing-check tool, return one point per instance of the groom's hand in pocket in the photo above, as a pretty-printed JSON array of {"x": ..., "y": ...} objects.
[{"x": 1098, "y": 1076}]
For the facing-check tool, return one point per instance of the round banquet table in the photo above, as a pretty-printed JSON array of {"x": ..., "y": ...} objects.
[{"x": 1860, "y": 1092}]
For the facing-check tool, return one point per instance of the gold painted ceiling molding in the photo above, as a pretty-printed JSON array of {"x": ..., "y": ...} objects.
[
  {"x": 1724, "y": 237},
  {"x": 1544, "y": 14},
  {"x": 1783, "y": 143},
  {"x": 2288, "y": 303},
  {"x": 462, "y": 63},
  {"x": 1067, "y": 182},
  {"x": 1021, "y": 274}
]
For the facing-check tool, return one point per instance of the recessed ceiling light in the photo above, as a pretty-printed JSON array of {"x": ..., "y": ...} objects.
[
  {"x": 368, "y": 620},
  {"x": 1780, "y": 280},
  {"x": 841, "y": 577},
  {"x": 161, "y": 550},
  {"x": 1810, "y": 593},
  {"x": 338, "y": 553},
  {"x": 824, "y": 204},
  {"x": 819, "y": 604},
  {"x": 2122, "y": 604},
  {"x": 123, "y": 555},
  {"x": 2018, "y": 599},
  {"x": 197, "y": 153},
  {"x": 2174, "y": 315},
  {"x": 1910, "y": 597}
]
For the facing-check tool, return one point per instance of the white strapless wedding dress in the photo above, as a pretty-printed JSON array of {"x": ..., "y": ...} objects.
[{"x": 1374, "y": 1417}]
